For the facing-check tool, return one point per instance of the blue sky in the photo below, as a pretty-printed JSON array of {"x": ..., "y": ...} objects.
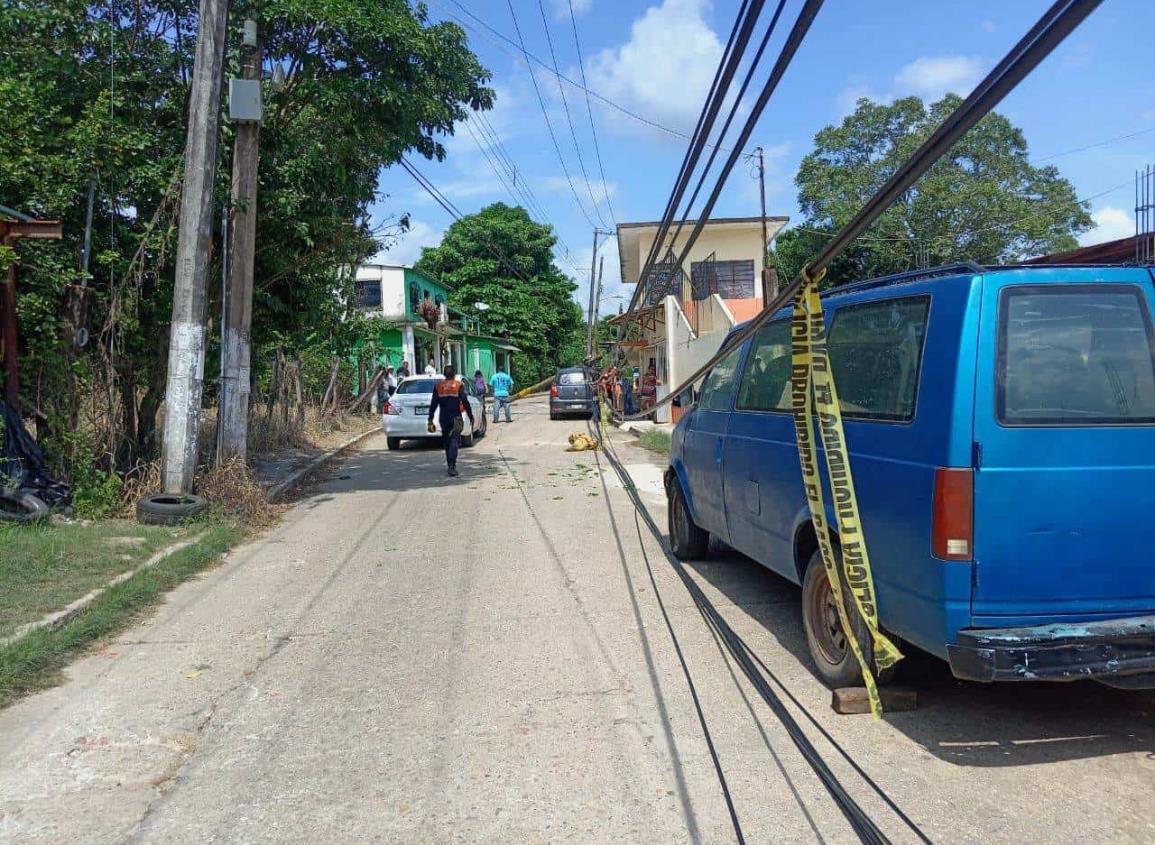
[{"x": 656, "y": 58}]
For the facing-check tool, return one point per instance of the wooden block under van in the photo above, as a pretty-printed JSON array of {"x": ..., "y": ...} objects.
[{"x": 850, "y": 700}]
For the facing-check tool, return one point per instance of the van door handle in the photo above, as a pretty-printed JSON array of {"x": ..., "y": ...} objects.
[{"x": 718, "y": 451}]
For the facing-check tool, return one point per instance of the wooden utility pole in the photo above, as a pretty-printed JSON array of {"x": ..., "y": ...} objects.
[
  {"x": 592, "y": 311},
  {"x": 236, "y": 334},
  {"x": 186, "y": 349},
  {"x": 769, "y": 278}
]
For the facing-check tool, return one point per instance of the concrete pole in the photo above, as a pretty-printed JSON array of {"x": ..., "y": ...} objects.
[
  {"x": 237, "y": 335},
  {"x": 186, "y": 351},
  {"x": 593, "y": 305}
]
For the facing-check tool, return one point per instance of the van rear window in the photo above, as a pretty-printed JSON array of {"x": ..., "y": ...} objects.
[
  {"x": 876, "y": 355},
  {"x": 571, "y": 378},
  {"x": 1075, "y": 355}
]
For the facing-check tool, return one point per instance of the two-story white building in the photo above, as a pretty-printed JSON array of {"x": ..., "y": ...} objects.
[{"x": 688, "y": 310}]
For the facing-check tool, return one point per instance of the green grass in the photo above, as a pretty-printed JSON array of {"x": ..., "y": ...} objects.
[
  {"x": 35, "y": 662},
  {"x": 655, "y": 440},
  {"x": 45, "y": 567}
]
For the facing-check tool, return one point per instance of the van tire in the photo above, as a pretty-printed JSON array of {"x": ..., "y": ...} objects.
[
  {"x": 830, "y": 652},
  {"x": 394, "y": 443},
  {"x": 687, "y": 540}
]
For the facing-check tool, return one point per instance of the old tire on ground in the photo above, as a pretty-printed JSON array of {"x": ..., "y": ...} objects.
[
  {"x": 394, "y": 443},
  {"x": 169, "y": 508},
  {"x": 484, "y": 424},
  {"x": 829, "y": 649},
  {"x": 21, "y": 506},
  {"x": 687, "y": 540}
]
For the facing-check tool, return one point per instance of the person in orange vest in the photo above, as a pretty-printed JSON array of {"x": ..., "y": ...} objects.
[{"x": 450, "y": 401}]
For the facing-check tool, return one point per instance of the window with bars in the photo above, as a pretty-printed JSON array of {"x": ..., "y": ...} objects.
[
  {"x": 728, "y": 279},
  {"x": 368, "y": 293}
]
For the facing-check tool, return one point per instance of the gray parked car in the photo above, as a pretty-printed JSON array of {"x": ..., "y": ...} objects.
[{"x": 572, "y": 393}]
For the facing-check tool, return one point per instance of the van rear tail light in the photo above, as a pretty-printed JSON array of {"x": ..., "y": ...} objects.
[
  {"x": 952, "y": 535},
  {"x": 554, "y": 392}
]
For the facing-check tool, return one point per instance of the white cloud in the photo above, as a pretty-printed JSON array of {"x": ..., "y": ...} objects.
[
  {"x": 408, "y": 246},
  {"x": 928, "y": 77},
  {"x": 989, "y": 26},
  {"x": 932, "y": 76},
  {"x": 1111, "y": 224},
  {"x": 561, "y": 8},
  {"x": 665, "y": 69}
]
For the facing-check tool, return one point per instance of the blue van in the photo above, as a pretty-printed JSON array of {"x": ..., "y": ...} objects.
[{"x": 1001, "y": 427}]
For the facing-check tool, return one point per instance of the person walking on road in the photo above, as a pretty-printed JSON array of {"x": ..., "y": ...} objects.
[
  {"x": 501, "y": 383},
  {"x": 450, "y": 400}
]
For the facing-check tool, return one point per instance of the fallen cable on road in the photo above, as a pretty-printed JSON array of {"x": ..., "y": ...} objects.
[{"x": 862, "y": 824}]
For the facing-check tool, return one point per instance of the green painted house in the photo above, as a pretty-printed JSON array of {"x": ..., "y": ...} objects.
[{"x": 410, "y": 301}]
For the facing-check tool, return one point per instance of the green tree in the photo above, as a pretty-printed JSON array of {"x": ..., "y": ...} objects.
[
  {"x": 983, "y": 201},
  {"x": 534, "y": 307},
  {"x": 97, "y": 94}
]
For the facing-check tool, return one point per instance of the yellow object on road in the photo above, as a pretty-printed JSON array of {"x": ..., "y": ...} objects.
[{"x": 581, "y": 442}]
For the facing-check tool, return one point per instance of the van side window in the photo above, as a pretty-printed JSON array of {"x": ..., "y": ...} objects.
[
  {"x": 1075, "y": 355},
  {"x": 765, "y": 384},
  {"x": 719, "y": 385},
  {"x": 875, "y": 352}
]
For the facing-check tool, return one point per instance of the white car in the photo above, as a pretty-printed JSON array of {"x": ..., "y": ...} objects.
[{"x": 406, "y": 414}]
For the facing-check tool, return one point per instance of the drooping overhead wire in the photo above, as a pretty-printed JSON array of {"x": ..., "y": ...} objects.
[
  {"x": 517, "y": 191},
  {"x": 785, "y": 56},
  {"x": 735, "y": 105},
  {"x": 727, "y": 66},
  {"x": 590, "y": 112},
  {"x": 548, "y": 123},
  {"x": 454, "y": 212},
  {"x": 1059, "y": 21},
  {"x": 568, "y": 116},
  {"x": 504, "y": 42}
]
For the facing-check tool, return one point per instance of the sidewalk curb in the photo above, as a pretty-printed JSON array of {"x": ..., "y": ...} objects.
[
  {"x": 58, "y": 618},
  {"x": 294, "y": 478}
]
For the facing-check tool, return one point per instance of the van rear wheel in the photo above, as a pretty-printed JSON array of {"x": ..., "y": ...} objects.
[
  {"x": 687, "y": 540},
  {"x": 830, "y": 649}
]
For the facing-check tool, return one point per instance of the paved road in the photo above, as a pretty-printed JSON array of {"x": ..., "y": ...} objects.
[{"x": 409, "y": 660}]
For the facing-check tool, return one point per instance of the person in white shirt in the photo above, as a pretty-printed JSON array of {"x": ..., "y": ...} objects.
[
  {"x": 430, "y": 368},
  {"x": 390, "y": 381}
]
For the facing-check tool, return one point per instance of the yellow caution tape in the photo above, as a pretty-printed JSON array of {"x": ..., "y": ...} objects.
[{"x": 812, "y": 389}]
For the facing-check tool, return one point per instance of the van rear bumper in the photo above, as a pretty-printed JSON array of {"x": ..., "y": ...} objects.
[{"x": 1108, "y": 650}]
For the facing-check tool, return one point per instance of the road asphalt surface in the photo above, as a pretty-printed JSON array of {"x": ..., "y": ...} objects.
[{"x": 408, "y": 658}]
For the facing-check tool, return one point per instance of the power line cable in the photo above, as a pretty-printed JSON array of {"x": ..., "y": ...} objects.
[
  {"x": 456, "y": 214},
  {"x": 793, "y": 41},
  {"x": 545, "y": 116},
  {"x": 498, "y": 38},
  {"x": 737, "y": 101},
  {"x": 727, "y": 66},
  {"x": 1062, "y": 18},
  {"x": 569, "y": 117},
  {"x": 590, "y": 112},
  {"x": 514, "y": 195}
]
